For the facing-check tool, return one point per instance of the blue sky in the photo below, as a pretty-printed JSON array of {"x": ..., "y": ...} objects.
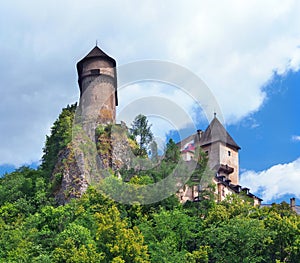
[
  {"x": 272, "y": 137},
  {"x": 275, "y": 144},
  {"x": 247, "y": 53}
]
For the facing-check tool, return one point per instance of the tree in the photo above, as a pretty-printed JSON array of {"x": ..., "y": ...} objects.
[
  {"x": 141, "y": 131},
  {"x": 61, "y": 135},
  {"x": 119, "y": 242},
  {"x": 169, "y": 235},
  {"x": 172, "y": 152},
  {"x": 237, "y": 240}
]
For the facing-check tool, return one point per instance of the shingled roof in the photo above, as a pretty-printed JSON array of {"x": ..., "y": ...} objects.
[{"x": 216, "y": 132}]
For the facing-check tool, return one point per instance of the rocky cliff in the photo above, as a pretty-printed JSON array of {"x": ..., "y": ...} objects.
[{"x": 85, "y": 161}]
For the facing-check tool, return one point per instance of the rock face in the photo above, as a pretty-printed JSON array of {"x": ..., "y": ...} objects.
[
  {"x": 68, "y": 179},
  {"x": 83, "y": 162},
  {"x": 121, "y": 148}
]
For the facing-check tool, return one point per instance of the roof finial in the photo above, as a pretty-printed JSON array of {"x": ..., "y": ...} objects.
[
  {"x": 215, "y": 114},
  {"x": 96, "y": 42}
]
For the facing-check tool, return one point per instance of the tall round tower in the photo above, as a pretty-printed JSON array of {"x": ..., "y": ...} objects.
[{"x": 97, "y": 81}]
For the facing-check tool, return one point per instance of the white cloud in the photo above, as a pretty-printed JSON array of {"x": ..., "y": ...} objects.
[
  {"x": 167, "y": 108},
  {"x": 296, "y": 138},
  {"x": 234, "y": 46},
  {"x": 274, "y": 182}
]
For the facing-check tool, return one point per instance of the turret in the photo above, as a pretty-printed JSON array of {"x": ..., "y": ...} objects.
[
  {"x": 222, "y": 151},
  {"x": 97, "y": 81}
]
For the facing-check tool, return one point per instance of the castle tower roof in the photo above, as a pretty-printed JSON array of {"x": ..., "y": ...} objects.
[
  {"x": 216, "y": 132},
  {"x": 96, "y": 52}
]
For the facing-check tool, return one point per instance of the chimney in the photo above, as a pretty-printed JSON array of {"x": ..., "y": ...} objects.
[
  {"x": 293, "y": 203},
  {"x": 199, "y": 132}
]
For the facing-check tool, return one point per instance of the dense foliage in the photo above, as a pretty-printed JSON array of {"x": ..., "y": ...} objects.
[
  {"x": 33, "y": 228},
  {"x": 96, "y": 229}
]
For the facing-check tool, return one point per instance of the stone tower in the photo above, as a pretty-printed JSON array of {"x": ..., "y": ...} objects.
[
  {"x": 97, "y": 81},
  {"x": 222, "y": 151}
]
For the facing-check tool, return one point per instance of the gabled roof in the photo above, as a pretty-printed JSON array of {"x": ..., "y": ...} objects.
[
  {"x": 216, "y": 132},
  {"x": 96, "y": 52}
]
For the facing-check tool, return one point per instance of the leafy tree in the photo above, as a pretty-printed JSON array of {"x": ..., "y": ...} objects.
[
  {"x": 141, "y": 131},
  {"x": 237, "y": 240},
  {"x": 172, "y": 153},
  {"x": 75, "y": 244},
  {"x": 117, "y": 240},
  {"x": 284, "y": 227},
  {"x": 169, "y": 235},
  {"x": 61, "y": 135}
]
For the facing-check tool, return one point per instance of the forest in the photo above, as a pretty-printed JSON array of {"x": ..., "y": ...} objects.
[{"x": 94, "y": 228}]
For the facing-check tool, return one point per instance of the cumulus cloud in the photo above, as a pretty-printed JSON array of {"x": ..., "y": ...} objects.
[
  {"x": 296, "y": 138},
  {"x": 274, "y": 182},
  {"x": 161, "y": 104},
  {"x": 234, "y": 46}
]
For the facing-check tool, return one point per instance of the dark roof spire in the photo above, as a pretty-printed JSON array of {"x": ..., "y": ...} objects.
[
  {"x": 96, "y": 52},
  {"x": 216, "y": 132}
]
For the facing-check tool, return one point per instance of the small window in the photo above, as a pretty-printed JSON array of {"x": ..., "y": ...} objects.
[
  {"x": 223, "y": 191},
  {"x": 95, "y": 71},
  {"x": 206, "y": 152},
  {"x": 229, "y": 153}
]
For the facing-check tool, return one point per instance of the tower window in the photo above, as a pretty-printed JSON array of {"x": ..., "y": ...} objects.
[
  {"x": 229, "y": 153},
  {"x": 206, "y": 152},
  {"x": 95, "y": 71}
]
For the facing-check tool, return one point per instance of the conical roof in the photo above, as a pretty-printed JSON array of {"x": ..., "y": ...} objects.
[
  {"x": 96, "y": 52},
  {"x": 216, "y": 132}
]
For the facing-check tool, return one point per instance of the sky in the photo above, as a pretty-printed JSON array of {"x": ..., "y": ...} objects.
[{"x": 246, "y": 52}]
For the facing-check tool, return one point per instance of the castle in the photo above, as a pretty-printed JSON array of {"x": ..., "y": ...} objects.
[
  {"x": 97, "y": 79},
  {"x": 223, "y": 160}
]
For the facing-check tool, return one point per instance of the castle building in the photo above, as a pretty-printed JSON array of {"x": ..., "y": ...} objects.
[
  {"x": 97, "y": 81},
  {"x": 223, "y": 160}
]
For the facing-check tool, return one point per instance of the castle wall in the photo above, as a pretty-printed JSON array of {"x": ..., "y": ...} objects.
[
  {"x": 230, "y": 157},
  {"x": 98, "y": 99},
  {"x": 219, "y": 153},
  {"x": 187, "y": 156},
  {"x": 222, "y": 191},
  {"x": 213, "y": 153}
]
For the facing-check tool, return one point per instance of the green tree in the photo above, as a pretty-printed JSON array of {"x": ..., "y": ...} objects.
[
  {"x": 141, "y": 131},
  {"x": 172, "y": 153},
  {"x": 284, "y": 227},
  {"x": 237, "y": 240},
  {"x": 117, "y": 241},
  {"x": 61, "y": 135},
  {"x": 75, "y": 244},
  {"x": 170, "y": 235}
]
